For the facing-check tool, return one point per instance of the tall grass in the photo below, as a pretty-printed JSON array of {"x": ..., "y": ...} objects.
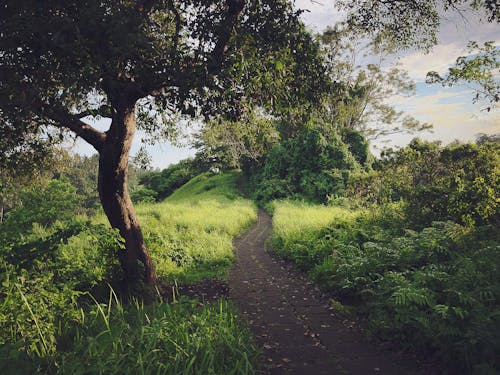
[
  {"x": 293, "y": 218},
  {"x": 190, "y": 234},
  {"x": 48, "y": 326},
  {"x": 161, "y": 338},
  {"x": 297, "y": 224}
]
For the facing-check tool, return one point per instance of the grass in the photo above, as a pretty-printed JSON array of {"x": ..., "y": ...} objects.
[
  {"x": 298, "y": 224},
  {"x": 185, "y": 337},
  {"x": 48, "y": 325},
  {"x": 292, "y": 219},
  {"x": 190, "y": 233},
  {"x": 161, "y": 338}
]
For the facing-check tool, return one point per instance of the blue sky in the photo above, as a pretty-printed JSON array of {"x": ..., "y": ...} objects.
[{"x": 450, "y": 110}]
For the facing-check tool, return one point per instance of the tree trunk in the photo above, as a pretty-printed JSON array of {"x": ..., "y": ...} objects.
[{"x": 115, "y": 199}]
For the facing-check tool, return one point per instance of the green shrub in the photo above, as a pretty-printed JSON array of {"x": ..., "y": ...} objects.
[
  {"x": 143, "y": 195},
  {"x": 435, "y": 290},
  {"x": 44, "y": 205},
  {"x": 43, "y": 275},
  {"x": 169, "y": 179},
  {"x": 310, "y": 166},
  {"x": 459, "y": 182}
]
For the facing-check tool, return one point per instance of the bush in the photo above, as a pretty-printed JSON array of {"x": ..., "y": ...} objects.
[
  {"x": 310, "y": 166},
  {"x": 168, "y": 180},
  {"x": 143, "y": 195},
  {"x": 435, "y": 290},
  {"x": 459, "y": 182},
  {"x": 43, "y": 275},
  {"x": 43, "y": 205}
]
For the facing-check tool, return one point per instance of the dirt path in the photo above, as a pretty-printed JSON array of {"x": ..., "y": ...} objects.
[{"x": 300, "y": 334}]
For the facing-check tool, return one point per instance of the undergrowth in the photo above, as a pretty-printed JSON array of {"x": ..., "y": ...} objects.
[
  {"x": 55, "y": 277},
  {"x": 435, "y": 290}
]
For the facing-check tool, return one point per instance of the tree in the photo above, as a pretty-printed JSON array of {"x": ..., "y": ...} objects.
[
  {"x": 227, "y": 142},
  {"x": 140, "y": 63},
  {"x": 478, "y": 69},
  {"x": 359, "y": 99},
  {"x": 409, "y": 24}
]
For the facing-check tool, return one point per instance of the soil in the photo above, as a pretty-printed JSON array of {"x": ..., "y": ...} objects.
[
  {"x": 299, "y": 331},
  {"x": 208, "y": 290}
]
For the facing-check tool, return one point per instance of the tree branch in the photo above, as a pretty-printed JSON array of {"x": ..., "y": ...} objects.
[
  {"x": 234, "y": 8},
  {"x": 73, "y": 122},
  {"x": 177, "y": 20}
]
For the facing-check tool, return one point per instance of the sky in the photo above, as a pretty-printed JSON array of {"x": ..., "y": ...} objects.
[{"x": 450, "y": 110}]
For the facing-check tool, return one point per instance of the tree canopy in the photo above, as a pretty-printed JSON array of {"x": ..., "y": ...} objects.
[{"x": 150, "y": 61}]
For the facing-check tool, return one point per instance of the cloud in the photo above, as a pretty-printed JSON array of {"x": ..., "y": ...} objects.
[
  {"x": 451, "y": 113},
  {"x": 442, "y": 56},
  {"x": 319, "y": 13}
]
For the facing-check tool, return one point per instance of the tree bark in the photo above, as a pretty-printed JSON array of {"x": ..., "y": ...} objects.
[{"x": 115, "y": 199}]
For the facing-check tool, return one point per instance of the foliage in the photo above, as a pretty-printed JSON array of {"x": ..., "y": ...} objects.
[
  {"x": 229, "y": 143},
  {"x": 435, "y": 290},
  {"x": 169, "y": 58},
  {"x": 42, "y": 205},
  {"x": 408, "y": 24},
  {"x": 81, "y": 171},
  {"x": 310, "y": 165},
  {"x": 478, "y": 68},
  {"x": 143, "y": 195},
  {"x": 35, "y": 167},
  {"x": 459, "y": 182},
  {"x": 171, "y": 178},
  {"x": 43, "y": 274}
]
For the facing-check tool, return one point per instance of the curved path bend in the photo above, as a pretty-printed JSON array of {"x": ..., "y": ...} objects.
[{"x": 299, "y": 332}]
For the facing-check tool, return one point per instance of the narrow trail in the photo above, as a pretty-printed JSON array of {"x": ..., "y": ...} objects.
[{"x": 300, "y": 334}]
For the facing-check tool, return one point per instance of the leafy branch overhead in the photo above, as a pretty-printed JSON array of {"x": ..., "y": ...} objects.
[
  {"x": 480, "y": 68},
  {"x": 63, "y": 61},
  {"x": 403, "y": 24}
]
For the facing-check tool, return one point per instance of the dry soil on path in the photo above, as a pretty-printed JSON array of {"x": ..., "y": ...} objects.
[{"x": 292, "y": 322}]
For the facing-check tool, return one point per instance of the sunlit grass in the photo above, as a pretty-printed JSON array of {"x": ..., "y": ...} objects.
[
  {"x": 161, "y": 338},
  {"x": 293, "y": 218},
  {"x": 190, "y": 234}
]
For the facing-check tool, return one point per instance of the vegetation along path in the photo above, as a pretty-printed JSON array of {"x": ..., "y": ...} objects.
[{"x": 300, "y": 334}]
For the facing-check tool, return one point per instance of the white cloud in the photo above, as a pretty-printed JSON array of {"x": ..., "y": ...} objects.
[
  {"x": 422, "y": 100},
  {"x": 451, "y": 113},
  {"x": 319, "y": 13},
  {"x": 442, "y": 56}
]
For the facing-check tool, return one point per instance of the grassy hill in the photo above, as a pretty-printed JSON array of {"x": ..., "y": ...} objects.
[{"x": 190, "y": 233}]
